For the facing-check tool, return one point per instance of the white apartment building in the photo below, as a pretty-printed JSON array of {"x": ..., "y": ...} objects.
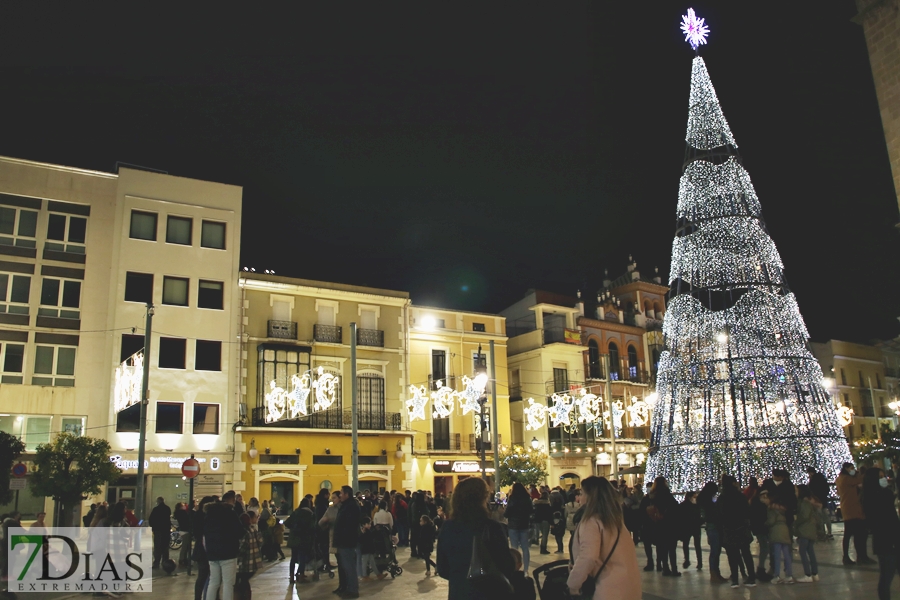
[{"x": 81, "y": 254}]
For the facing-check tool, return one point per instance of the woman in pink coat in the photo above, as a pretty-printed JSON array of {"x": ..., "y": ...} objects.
[{"x": 595, "y": 537}]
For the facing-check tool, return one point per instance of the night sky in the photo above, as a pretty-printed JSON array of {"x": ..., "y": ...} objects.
[{"x": 465, "y": 153}]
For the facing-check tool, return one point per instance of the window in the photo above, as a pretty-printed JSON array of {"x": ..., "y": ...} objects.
[
  {"x": 632, "y": 363},
  {"x": 212, "y": 235},
  {"x": 178, "y": 230},
  {"x": 368, "y": 318},
  {"x": 175, "y": 291},
  {"x": 206, "y": 418},
  {"x": 847, "y": 400},
  {"x": 18, "y": 227},
  {"x": 68, "y": 232},
  {"x": 129, "y": 419},
  {"x": 613, "y": 361},
  {"x": 130, "y": 344},
  {"x": 478, "y": 327},
  {"x": 50, "y": 361},
  {"x": 13, "y": 361},
  {"x": 325, "y": 313},
  {"x": 594, "y": 370},
  {"x": 14, "y": 293},
  {"x": 560, "y": 380},
  {"x": 328, "y": 459},
  {"x": 877, "y": 381},
  {"x": 60, "y": 298},
  {"x": 277, "y": 364},
  {"x": 73, "y": 425},
  {"x": 32, "y": 430},
  {"x": 171, "y": 353},
  {"x": 143, "y": 225},
  {"x": 862, "y": 383},
  {"x": 209, "y": 294},
  {"x": 139, "y": 287},
  {"x": 208, "y": 356},
  {"x": 370, "y": 401},
  {"x": 843, "y": 377},
  {"x": 169, "y": 417},
  {"x": 438, "y": 367}
]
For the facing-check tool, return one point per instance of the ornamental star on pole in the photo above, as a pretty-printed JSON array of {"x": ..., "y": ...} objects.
[{"x": 694, "y": 28}]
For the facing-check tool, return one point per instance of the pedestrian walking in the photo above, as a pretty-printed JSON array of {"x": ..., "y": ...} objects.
[
  {"x": 808, "y": 529},
  {"x": 663, "y": 511},
  {"x": 199, "y": 555},
  {"x": 301, "y": 525},
  {"x": 427, "y": 535},
  {"x": 849, "y": 484},
  {"x": 780, "y": 540},
  {"x": 878, "y": 503},
  {"x": 518, "y": 517},
  {"x": 691, "y": 523},
  {"x": 543, "y": 516},
  {"x": 734, "y": 514},
  {"x": 346, "y": 541},
  {"x": 161, "y": 526},
  {"x": 707, "y": 501},
  {"x": 222, "y": 533},
  {"x": 249, "y": 558},
  {"x": 759, "y": 512}
]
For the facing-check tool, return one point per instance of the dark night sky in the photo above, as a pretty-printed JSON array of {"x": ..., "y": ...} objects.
[{"x": 466, "y": 154}]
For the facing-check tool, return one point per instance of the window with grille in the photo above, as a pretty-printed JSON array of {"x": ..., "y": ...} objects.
[
  {"x": 370, "y": 400},
  {"x": 278, "y": 364}
]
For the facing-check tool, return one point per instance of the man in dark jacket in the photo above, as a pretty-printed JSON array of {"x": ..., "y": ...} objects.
[
  {"x": 161, "y": 525},
  {"x": 346, "y": 540},
  {"x": 819, "y": 487},
  {"x": 222, "y": 533}
]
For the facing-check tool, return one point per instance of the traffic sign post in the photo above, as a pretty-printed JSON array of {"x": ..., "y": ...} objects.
[
  {"x": 19, "y": 470},
  {"x": 190, "y": 468}
]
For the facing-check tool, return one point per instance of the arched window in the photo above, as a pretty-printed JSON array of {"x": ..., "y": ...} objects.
[
  {"x": 613, "y": 361},
  {"x": 594, "y": 360},
  {"x": 632, "y": 363}
]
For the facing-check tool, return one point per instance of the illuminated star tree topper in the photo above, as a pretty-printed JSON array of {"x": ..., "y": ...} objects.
[{"x": 694, "y": 28}]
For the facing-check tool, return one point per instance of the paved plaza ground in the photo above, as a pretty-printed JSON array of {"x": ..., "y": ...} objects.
[{"x": 836, "y": 581}]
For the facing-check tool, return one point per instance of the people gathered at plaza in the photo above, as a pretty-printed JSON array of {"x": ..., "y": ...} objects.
[{"x": 772, "y": 531}]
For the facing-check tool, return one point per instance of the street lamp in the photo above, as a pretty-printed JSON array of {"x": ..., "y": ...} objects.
[{"x": 535, "y": 444}]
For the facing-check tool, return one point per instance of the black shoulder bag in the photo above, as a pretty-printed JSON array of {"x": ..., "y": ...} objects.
[
  {"x": 590, "y": 585},
  {"x": 484, "y": 576}
]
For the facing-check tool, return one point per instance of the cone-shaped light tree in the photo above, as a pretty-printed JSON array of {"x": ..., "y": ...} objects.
[{"x": 738, "y": 390}]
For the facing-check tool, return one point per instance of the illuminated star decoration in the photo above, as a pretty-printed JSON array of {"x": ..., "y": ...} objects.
[
  {"x": 471, "y": 395},
  {"x": 535, "y": 415},
  {"x": 639, "y": 413},
  {"x": 275, "y": 403},
  {"x": 442, "y": 401},
  {"x": 416, "y": 405},
  {"x": 296, "y": 403},
  {"x": 324, "y": 385},
  {"x": 561, "y": 409},
  {"x": 694, "y": 29}
]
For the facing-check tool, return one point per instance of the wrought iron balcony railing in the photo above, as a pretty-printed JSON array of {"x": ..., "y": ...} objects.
[
  {"x": 328, "y": 333},
  {"x": 444, "y": 443},
  {"x": 475, "y": 443},
  {"x": 370, "y": 337},
  {"x": 333, "y": 419},
  {"x": 286, "y": 330}
]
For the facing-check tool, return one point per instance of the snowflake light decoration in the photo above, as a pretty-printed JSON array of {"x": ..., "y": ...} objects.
[
  {"x": 415, "y": 406},
  {"x": 694, "y": 28}
]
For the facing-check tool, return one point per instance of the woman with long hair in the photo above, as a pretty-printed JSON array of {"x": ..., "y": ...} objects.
[
  {"x": 878, "y": 505},
  {"x": 301, "y": 540},
  {"x": 707, "y": 501},
  {"x": 664, "y": 511},
  {"x": 470, "y": 517},
  {"x": 518, "y": 518},
  {"x": 199, "y": 553},
  {"x": 736, "y": 535},
  {"x": 601, "y": 541}
]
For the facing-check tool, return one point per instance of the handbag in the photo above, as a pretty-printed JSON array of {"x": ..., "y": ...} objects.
[
  {"x": 590, "y": 585},
  {"x": 484, "y": 576}
]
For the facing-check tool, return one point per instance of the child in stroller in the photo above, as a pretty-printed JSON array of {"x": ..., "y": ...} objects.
[{"x": 377, "y": 541}]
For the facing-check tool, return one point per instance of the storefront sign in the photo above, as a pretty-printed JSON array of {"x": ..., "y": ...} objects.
[
  {"x": 459, "y": 466},
  {"x": 171, "y": 462}
]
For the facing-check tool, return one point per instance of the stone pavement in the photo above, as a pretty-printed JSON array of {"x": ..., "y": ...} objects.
[{"x": 836, "y": 581}]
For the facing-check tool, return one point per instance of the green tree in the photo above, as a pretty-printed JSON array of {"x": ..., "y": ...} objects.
[
  {"x": 870, "y": 450},
  {"x": 526, "y": 466},
  {"x": 69, "y": 469},
  {"x": 11, "y": 448}
]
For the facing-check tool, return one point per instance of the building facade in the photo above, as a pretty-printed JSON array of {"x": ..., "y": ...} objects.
[
  {"x": 445, "y": 346},
  {"x": 81, "y": 254},
  {"x": 296, "y": 388}
]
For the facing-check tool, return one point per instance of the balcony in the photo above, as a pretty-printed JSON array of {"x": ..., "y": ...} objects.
[
  {"x": 475, "y": 443},
  {"x": 331, "y": 334},
  {"x": 891, "y": 372},
  {"x": 284, "y": 330},
  {"x": 635, "y": 433},
  {"x": 368, "y": 337},
  {"x": 450, "y": 444},
  {"x": 332, "y": 419}
]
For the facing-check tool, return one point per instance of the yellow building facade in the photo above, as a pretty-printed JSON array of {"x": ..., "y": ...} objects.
[
  {"x": 295, "y": 343},
  {"x": 444, "y": 346}
]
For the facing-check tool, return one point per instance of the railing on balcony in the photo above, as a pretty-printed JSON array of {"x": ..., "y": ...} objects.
[
  {"x": 328, "y": 333},
  {"x": 286, "y": 330},
  {"x": 515, "y": 392},
  {"x": 891, "y": 372},
  {"x": 630, "y": 375},
  {"x": 635, "y": 433},
  {"x": 444, "y": 443},
  {"x": 567, "y": 386},
  {"x": 475, "y": 442},
  {"x": 369, "y": 337},
  {"x": 333, "y": 419}
]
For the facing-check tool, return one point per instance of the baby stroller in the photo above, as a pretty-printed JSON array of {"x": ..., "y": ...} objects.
[
  {"x": 555, "y": 575},
  {"x": 385, "y": 552}
]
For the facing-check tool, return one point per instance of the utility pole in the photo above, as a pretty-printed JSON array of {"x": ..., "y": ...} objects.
[
  {"x": 145, "y": 393},
  {"x": 354, "y": 418},
  {"x": 874, "y": 409},
  {"x": 495, "y": 437},
  {"x": 614, "y": 458}
]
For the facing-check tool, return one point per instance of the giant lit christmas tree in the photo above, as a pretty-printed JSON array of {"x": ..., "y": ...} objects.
[{"x": 739, "y": 391}]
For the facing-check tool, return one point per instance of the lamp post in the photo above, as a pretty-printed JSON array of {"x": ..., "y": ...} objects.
[{"x": 145, "y": 390}]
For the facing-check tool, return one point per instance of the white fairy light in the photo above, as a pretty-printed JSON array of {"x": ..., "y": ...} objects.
[
  {"x": 415, "y": 405},
  {"x": 129, "y": 380},
  {"x": 276, "y": 403},
  {"x": 845, "y": 415},
  {"x": 561, "y": 411}
]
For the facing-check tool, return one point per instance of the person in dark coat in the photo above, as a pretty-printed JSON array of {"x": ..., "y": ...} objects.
[
  {"x": 706, "y": 499},
  {"x": 346, "y": 540},
  {"x": 470, "y": 517},
  {"x": 427, "y": 535},
  {"x": 543, "y": 516},
  {"x": 735, "y": 519},
  {"x": 691, "y": 524},
  {"x": 322, "y": 502},
  {"x": 518, "y": 518},
  {"x": 301, "y": 540},
  {"x": 818, "y": 486},
  {"x": 882, "y": 520},
  {"x": 222, "y": 533},
  {"x": 663, "y": 510},
  {"x": 161, "y": 525},
  {"x": 648, "y": 528},
  {"x": 199, "y": 552},
  {"x": 759, "y": 512}
]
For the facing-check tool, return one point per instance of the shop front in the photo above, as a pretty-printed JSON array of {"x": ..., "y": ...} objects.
[
  {"x": 448, "y": 473},
  {"x": 163, "y": 478},
  {"x": 566, "y": 469}
]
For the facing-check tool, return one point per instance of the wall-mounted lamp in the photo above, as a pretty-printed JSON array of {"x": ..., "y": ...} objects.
[
  {"x": 267, "y": 450},
  {"x": 327, "y": 450},
  {"x": 535, "y": 443},
  {"x": 297, "y": 450},
  {"x": 383, "y": 452},
  {"x": 399, "y": 452},
  {"x": 170, "y": 449},
  {"x": 253, "y": 452}
]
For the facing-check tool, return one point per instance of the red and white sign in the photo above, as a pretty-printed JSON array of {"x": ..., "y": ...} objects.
[{"x": 190, "y": 468}]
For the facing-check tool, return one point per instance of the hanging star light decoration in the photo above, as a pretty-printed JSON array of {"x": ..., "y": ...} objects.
[
  {"x": 442, "y": 401},
  {"x": 326, "y": 387},
  {"x": 561, "y": 411},
  {"x": 535, "y": 415},
  {"x": 415, "y": 406},
  {"x": 276, "y": 402},
  {"x": 470, "y": 397},
  {"x": 587, "y": 407},
  {"x": 694, "y": 28},
  {"x": 845, "y": 415},
  {"x": 296, "y": 403},
  {"x": 638, "y": 413}
]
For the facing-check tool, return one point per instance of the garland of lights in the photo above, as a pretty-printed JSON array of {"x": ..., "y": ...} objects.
[
  {"x": 281, "y": 404},
  {"x": 444, "y": 398},
  {"x": 738, "y": 390}
]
